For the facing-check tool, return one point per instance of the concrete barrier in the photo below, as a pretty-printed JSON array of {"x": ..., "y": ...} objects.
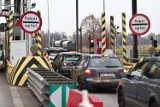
[
  {"x": 75, "y": 98},
  {"x": 17, "y": 74}
]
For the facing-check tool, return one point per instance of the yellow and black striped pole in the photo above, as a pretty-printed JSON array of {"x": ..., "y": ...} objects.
[
  {"x": 10, "y": 25},
  {"x": 112, "y": 30},
  {"x": 124, "y": 38},
  {"x": 103, "y": 34},
  {"x": 38, "y": 39}
]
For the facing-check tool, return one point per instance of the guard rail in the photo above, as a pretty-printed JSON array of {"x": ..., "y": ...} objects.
[{"x": 40, "y": 80}]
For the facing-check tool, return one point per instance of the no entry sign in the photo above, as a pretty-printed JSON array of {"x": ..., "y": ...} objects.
[
  {"x": 30, "y": 22},
  {"x": 139, "y": 24}
]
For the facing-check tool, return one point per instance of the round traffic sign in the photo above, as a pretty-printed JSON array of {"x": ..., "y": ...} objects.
[
  {"x": 30, "y": 22},
  {"x": 139, "y": 24}
]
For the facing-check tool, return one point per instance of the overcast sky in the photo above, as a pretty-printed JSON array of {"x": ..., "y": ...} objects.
[{"x": 63, "y": 13}]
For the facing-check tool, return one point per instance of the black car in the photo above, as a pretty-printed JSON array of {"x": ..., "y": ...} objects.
[
  {"x": 95, "y": 70},
  {"x": 51, "y": 52},
  {"x": 141, "y": 86},
  {"x": 64, "y": 61}
]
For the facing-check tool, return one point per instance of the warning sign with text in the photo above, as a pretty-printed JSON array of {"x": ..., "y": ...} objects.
[
  {"x": 30, "y": 22},
  {"x": 139, "y": 24}
]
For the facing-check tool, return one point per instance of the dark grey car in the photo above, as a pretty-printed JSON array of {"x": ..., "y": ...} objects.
[
  {"x": 141, "y": 87},
  {"x": 94, "y": 71},
  {"x": 64, "y": 61}
]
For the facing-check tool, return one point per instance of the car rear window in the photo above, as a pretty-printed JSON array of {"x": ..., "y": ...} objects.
[
  {"x": 105, "y": 62},
  {"x": 71, "y": 57}
]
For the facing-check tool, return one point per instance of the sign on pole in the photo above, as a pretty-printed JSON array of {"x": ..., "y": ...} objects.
[
  {"x": 139, "y": 24},
  {"x": 59, "y": 94},
  {"x": 30, "y": 22}
]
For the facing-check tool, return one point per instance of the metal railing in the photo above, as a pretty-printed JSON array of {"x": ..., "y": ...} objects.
[{"x": 39, "y": 80}]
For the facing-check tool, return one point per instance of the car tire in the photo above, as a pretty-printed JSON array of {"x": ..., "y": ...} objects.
[
  {"x": 121, "y": 99},
  {"x": 154, "y": 104}
]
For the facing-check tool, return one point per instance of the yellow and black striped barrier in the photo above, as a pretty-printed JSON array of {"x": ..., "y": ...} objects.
[
  {"x": 39, "y": 43},
  {"x": 124, "y": 38},
  {"x": 38, "y": 39},
  {"x": 18, "y": 75},
  {"x": 10, "y": 25},
  {"x": 103, "y": 34},
  {"x": 112, "y": 30}
]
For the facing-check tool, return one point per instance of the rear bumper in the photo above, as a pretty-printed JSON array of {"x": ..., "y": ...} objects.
[{"x": 112, "y": 83}]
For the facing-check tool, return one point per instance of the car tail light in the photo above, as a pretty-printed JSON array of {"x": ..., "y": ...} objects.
[
  {"x": 120, "y": 71},
  {"x": 89, "y": 72},
  {"x": 65, "y": 64},
  {"x": 46, "y": 55}
]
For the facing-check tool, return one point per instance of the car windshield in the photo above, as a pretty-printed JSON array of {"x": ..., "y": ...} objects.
[
  {"x": 71, "y": 57},
  {"x": 105, "y": 62}
]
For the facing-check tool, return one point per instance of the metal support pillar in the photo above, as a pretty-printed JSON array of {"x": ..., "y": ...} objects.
[
  {"x": 135, "y": 45},
  {"x": 21, "y": 12},
  {"x": 77, "y": 24},
  {"x": 80, "y": 39},
  {"x": 7, "y": 4}
]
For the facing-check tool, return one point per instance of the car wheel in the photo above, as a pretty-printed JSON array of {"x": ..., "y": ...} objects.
[
  {"x": 154, "y": 104},
  {"x": 121, "y": 100}
]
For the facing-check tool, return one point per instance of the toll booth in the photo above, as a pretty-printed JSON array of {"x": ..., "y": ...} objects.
[{"x": 99, "y": 45}]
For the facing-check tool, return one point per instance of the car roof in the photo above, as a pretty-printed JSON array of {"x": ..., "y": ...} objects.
[
  {"x": 71, "y": 53},
  {"x": 99, "y": 55}
]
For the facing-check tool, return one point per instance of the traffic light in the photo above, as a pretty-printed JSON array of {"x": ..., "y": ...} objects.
[
  {"x": 155, "y": 43},
  {"x": 91, "y": 43},
  {"x": 151, "y": 38}
]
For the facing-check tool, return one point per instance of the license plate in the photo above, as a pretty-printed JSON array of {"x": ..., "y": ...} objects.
[{"x": 107, "y": 75}]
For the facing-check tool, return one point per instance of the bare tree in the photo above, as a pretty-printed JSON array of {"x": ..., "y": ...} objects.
[{"x": 91, "y": 26}]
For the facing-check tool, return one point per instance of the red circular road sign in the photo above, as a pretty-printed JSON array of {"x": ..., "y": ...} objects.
[
  {"x": 139, "y": 24},
  {"x": 30, "y": 22}
]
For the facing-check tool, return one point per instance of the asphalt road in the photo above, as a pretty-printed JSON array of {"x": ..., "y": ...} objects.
[
  {"x": 13, "y": 96},
  {"x": 109, "y": 97}
]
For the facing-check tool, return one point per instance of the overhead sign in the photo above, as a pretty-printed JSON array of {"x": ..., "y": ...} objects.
[
  {"x": 30, "y": 22},
  {"x": 139, "y": 24}
]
